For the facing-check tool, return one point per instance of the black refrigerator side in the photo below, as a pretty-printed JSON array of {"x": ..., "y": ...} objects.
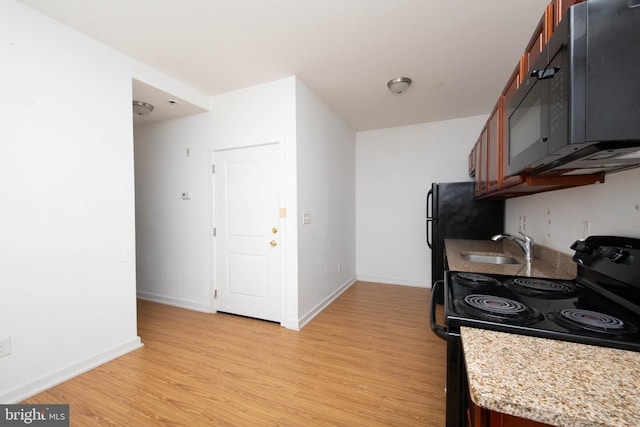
[{"x": 454, "y": 213}]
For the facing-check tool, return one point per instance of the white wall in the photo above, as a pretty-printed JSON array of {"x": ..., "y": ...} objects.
[
  {"x": 326, "y": 191},
  {"x": 174, "y": 236},
  {"x": 395, "y": 167},
  {"x": 556, "y": 219},
  {"x": 257, "y": 115},
  {"x": 394, "y": 170},
  {"x": 67, "y": 254},
  {"x": 318, "y": 152}
]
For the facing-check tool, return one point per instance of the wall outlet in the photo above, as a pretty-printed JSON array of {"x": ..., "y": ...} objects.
[
  {"x": 5, "y": 346},
  {"x": 523, "y": 222}
]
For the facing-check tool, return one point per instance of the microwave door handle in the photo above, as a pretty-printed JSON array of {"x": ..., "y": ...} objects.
[
  {"x": 546, "y": 73},
  {"x": 429, "y": 217}
]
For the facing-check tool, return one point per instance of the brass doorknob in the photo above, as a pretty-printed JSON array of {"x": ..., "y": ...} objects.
[
  {"x": 274, "y": 230},
  {"x": 273, "y": 243}
]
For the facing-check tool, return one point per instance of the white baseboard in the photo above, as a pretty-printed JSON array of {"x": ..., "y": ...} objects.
[
  {"x": 293, "y": 325},
  {"x": 190, "y": 305},
  {"x": 393, "y": 281},
  {"x": 324, "y": 304},
  {"x": 24, "y": 392}
]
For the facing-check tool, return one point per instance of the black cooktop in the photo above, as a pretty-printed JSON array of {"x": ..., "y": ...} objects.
[{"x": 547, "y": 308}]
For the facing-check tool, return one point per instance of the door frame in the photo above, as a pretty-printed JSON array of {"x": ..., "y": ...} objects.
[{"x": 282, "y": 225}]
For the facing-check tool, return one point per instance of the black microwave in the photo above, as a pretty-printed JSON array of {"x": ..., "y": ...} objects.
[{"x": 578, "y": 112}]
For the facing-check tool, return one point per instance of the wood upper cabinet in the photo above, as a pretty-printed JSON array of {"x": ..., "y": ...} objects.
[
  {"x": 491, "y": 151},
  {"x": 507, "y": 94},
  {"x": 481, "y": 163},
  {"x": 560, "y": 8},
  {"x": 493, "y": 148},
  {"x": 552, "y": 16},
  {"x": 472, "y": 161},
  {"x": 534, "y": 48},
  {"x": 480, "y": 169},
  {"x": 489, "y": 159},
  {"x": 485, "y": 152}
]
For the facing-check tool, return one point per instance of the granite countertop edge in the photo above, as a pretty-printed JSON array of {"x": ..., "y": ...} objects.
[{"x": 553, "y": 382}]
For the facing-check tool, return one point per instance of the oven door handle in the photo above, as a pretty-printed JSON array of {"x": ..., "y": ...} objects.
[{"x": 439, "y": 330}]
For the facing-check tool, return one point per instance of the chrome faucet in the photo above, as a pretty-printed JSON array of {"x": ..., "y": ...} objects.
[{"x": 526, "y": 244}]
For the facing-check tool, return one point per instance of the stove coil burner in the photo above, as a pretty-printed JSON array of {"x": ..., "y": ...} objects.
[
  {"x": 497, "y": 309},
  {"x": 476, "y": 280},
  {"x": 495, "y": 305},
  {"x": 592, "y": 321},
  {"x": 541, "y": 287}
]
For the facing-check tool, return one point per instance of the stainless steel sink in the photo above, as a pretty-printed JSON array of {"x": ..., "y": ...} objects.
[{"x": 490, "y": 259}]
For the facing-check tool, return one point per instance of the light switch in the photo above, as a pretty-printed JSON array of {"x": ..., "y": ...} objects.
[{"x": 306, "y": 218}]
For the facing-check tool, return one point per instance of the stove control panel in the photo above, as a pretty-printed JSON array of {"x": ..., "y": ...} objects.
[{"x": 611, "y": 257}]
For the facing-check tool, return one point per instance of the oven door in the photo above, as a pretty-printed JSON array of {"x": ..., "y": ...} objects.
[{"x": 528, "y": 117}]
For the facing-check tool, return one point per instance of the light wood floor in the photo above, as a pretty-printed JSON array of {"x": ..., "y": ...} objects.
[{"x": 369, "y": 359}]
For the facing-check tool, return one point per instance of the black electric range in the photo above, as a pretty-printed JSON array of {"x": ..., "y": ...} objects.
[{"x": 601, "y": 307}]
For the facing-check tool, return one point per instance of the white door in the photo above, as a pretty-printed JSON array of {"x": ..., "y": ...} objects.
[{"x": 247, "y": 241}]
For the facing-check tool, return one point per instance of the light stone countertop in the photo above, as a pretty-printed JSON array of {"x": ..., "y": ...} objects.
[
  {"x": 554, "y": 382},
  {"x": 546, "y": 263}
]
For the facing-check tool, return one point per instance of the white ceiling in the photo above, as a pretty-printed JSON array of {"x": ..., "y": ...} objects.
[{"x": 458, "y": 53}]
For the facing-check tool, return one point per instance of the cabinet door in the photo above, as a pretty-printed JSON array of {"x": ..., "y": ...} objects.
[
  {"x": 534, "y": 48},
  {"x": 478, "y": 169},
  {"x": 540, "y": 37},
  {"x": 507, "y": 95},
  {"x": 496, "y": 419},
  {"x": 472, "y": 161},
  {"x": 493, "y": 149},
  {"x": 477, "y": 152},
  {"x": 481, "y": 165},
  {"x": 477, "y": 416},
  {"x": 560, "y": 8}
]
